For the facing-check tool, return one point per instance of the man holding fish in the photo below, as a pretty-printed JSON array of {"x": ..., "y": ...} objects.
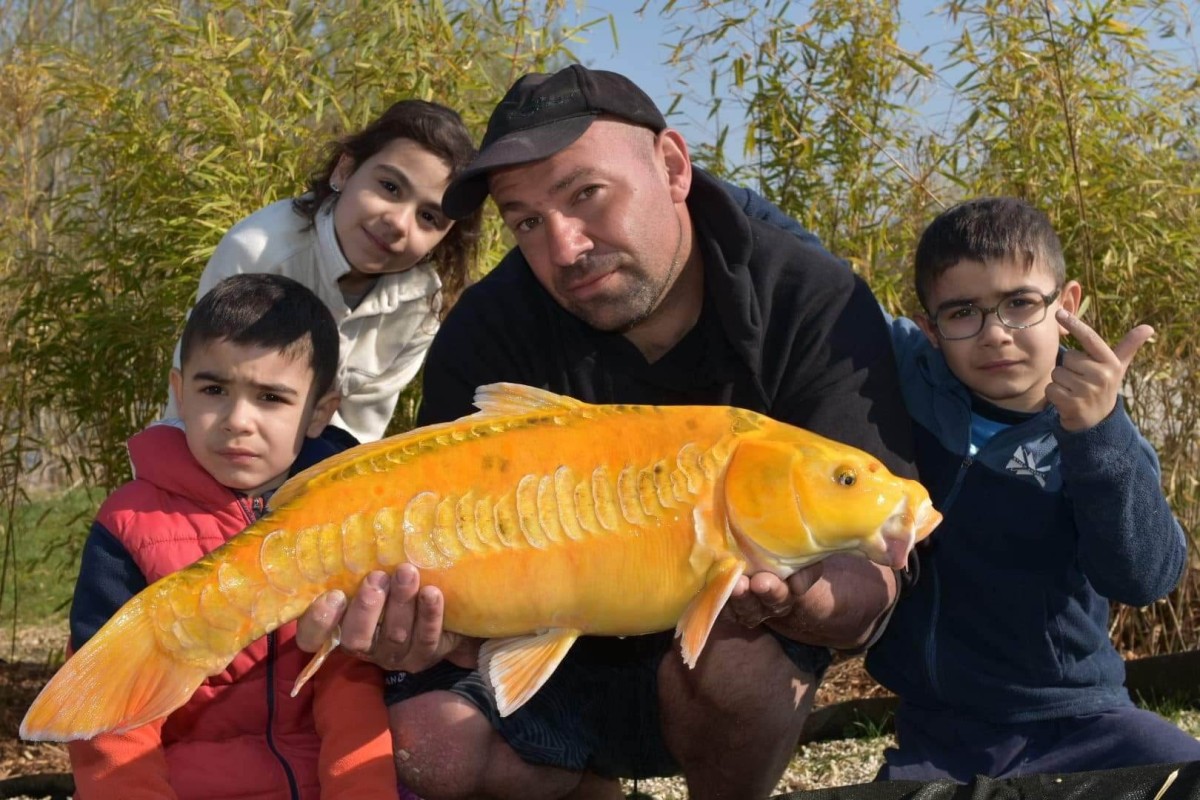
[{"x": 636, "y": 280}]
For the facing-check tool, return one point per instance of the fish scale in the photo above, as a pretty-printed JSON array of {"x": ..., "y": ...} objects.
[
  {"x": 548, "y": 510},
  {"x": 433, "y": 538},
  {"x": 540, "y": 519}
]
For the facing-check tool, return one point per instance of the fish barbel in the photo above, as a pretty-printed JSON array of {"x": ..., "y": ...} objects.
[{"x": 540, "y": 518}]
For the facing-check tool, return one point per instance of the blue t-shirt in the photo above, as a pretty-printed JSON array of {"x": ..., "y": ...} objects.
[{"x": 987, "y": 420}]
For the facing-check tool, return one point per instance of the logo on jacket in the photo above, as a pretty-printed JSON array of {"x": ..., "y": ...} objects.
[{"x": 1033, "y": 459}]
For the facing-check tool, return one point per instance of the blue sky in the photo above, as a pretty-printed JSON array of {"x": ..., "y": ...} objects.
[{"x": 645, "y": 41}]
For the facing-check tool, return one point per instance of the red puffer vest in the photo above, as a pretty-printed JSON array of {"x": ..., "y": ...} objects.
[{"x": 241, "y": 722}]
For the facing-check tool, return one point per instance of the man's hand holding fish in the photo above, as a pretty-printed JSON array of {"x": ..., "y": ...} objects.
[
  {"x": 809, "y": 605},
  {"x": 391, "y": 621}
]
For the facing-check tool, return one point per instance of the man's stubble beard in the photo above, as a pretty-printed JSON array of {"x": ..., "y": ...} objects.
[{"x": 645, "y": 297}]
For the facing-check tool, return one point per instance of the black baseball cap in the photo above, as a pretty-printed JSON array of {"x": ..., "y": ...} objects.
[{"x": 540, "y": 115}]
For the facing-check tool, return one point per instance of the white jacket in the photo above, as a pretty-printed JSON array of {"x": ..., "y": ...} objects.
[{"x": 383, "y": 339}]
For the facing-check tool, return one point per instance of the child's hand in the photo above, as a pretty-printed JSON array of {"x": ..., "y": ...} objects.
[{"x": 1084, "y": 388}]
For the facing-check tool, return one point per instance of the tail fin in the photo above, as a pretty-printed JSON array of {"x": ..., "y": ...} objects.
[{"x": 119, "y": 680}]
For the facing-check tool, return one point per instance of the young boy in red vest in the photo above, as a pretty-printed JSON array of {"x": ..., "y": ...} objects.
[{"x": 259, "y": 357}]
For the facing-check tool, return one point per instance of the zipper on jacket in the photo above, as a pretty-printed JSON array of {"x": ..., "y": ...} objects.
[
  {"x": 283, "y": 762},
  {"x": 931, "y": 664},
  {"x": 958, "y": 482},
  {"x": 253, "y": 508},
  {"x": 930, "y": 640}
]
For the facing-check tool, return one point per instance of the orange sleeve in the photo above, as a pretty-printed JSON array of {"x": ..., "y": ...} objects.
[
  {"x": 129, "y": 765},
  {"x": 352, "y": 721}
]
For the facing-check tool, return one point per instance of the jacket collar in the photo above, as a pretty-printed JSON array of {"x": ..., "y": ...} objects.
[{"x": 726, "y": 244}]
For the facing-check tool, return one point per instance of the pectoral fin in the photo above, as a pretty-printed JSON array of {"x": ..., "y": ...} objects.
[
  {"x": 516, "y": 668},
  {"x": 317, "y": 660},
  {"x": 700, "y": 615}
]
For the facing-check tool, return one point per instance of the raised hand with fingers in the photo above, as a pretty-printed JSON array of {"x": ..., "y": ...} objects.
[{"x": 1084, "y": 387}]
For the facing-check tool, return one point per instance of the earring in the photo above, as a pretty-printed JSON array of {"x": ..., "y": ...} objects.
[{"x": 336, "y": 189}]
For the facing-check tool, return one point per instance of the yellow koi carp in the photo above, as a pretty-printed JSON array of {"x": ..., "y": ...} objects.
[{"x": 541, "y": 518}]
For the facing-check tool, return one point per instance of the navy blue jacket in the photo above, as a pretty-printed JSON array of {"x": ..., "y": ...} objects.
[{"x": 1009, "y": 620}]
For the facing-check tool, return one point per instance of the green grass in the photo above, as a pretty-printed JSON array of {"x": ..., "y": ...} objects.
[
  {"x": 865, "y": 727},
  {"x": 41, "y": 556}
]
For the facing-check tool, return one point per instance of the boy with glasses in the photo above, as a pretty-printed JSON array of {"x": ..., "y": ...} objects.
[{"x": 1000, "y": 652}]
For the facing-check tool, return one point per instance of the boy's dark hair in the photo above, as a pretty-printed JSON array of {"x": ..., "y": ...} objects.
[
  {"x": 986, "y": 229},
  {"x": 441, "y": 131},
  {"x": 270, "y": 311}
]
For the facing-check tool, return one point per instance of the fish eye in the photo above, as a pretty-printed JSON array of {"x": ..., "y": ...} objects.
[{"x": 846, "y": 477}]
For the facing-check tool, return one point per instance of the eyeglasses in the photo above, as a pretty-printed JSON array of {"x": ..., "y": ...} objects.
[{"x": 1018, "y": 311}]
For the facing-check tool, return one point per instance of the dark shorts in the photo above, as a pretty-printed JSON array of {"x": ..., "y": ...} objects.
[{"x": 599, "y": 710}]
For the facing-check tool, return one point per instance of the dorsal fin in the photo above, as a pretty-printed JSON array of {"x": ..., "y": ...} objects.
[
  {"x": 492, "y": 400},
  {"x": 296, "y": 484},
  {"x": 503, "y": 399}
]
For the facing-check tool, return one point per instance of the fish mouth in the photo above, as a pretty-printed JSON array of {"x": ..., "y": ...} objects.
[
  {"x": 900, "y": 532},
  {"x": 889, "y": 546},
  {"x": 928, "y": 518}
]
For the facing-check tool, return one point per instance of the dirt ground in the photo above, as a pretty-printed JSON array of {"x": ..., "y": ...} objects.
[
  {"x": 847, "y": 680},
  {"x": 23, "y": 672},
  {"x": 817, "y": 765}
]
